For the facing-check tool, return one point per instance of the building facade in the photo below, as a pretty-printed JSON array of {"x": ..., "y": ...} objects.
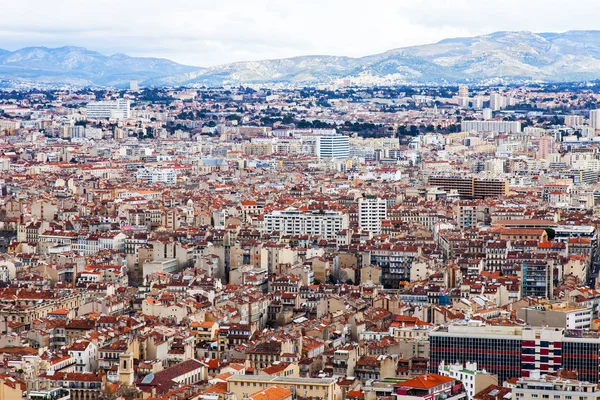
[
  {"x": 295, "y": 222},
  {"x": 118, "y": 109},
  {"x": 371, "y": 211}
]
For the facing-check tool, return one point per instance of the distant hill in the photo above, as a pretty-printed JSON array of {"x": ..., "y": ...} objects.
[
  {"x": 79, "y": 66},
  {"x": 506, "y": 56}
]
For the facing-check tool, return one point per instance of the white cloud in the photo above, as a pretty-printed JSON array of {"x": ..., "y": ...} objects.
[{"x": 209, "y": 32}]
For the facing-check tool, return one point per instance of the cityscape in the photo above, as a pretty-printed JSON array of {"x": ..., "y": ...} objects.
[{"x": 415, "y": 224}]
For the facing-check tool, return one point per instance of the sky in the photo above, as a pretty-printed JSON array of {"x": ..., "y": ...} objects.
[{"x": 214, "y": 32}]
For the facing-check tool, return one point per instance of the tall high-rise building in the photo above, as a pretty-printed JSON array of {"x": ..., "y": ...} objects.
[
  {"x": 487, "y": 114},
  {"x": 545, "y": 147},
  {"x": 497, "y": 101},
  {"x": 371, "y": 211},
  {"x": 595, "y": 119},
  {"x": 477, "y": 102},
  {"x": 462, "y": 97},
  {"x": 573, "y": 120},
  {"x": 133, "y": 85},
  {"x": 537, "y": 280},
  {"x": 333, "y": 146},
  {"x": 463, "y": 101}
]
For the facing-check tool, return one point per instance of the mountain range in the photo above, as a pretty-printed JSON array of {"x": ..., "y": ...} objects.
[{"x": 496, "y": 57}]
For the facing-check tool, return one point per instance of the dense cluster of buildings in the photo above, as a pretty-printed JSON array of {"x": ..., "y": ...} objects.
[{"x": 327, "y": 243}]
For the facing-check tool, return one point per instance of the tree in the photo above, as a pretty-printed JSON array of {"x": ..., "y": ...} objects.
[
  {"x": 551, "y": 233},
  {"x": 121, "y": 391}
]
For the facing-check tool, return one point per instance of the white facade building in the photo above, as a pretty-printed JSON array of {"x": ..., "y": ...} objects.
[
  {"x": 8, "y": 271},
  {"x": 295, "y": 222},
  {"x": 86, "y": 354},
  {"x": 157, "y": 175},
  {"x": 595, "y": 119},
  {"x": 118, "y": 109},
  {"x": 538, "y": 387},
  {"x": 333, "y": 146},
  {"x": 491, "y": 126},
  {"x": 497, "y": 101},
  {"x": 371, "y": 211},
  {"x": 473, "y": 380},
  {"x": 487, "y": 114}
]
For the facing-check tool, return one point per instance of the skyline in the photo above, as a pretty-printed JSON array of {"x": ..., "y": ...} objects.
[{"x": 206, "y": 34}]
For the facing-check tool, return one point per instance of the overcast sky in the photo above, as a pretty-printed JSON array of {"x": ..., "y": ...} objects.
[{"x": 212, "y": 32}]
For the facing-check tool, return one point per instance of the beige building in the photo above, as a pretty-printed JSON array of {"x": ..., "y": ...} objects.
[
  {"x": 11, "y": 389},
  {"x": 31, "y": 308},
  {"x": 320, "y": 267},
  {"x": 242, "y": 386}
]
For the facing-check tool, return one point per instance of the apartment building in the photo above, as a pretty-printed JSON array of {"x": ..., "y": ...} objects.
[
  {"x": 118, "y": 109},
  {"x": 471, "y": 188},
  {"x": 149, "y": 175},
  {"x": 540, "y": 387},
  {"x": 371, "y": 211},
  {"x": 491, "y": 126},
  {"x": 474, "y": 380},
  {"x": 295, "y": 222}
]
